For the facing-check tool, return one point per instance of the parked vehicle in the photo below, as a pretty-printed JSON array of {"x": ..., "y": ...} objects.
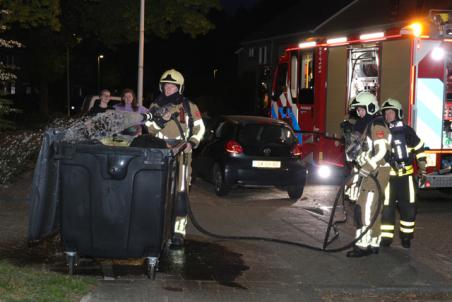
[{"x": 251, "y": 151}]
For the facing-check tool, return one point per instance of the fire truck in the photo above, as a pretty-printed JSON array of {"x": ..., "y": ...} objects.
[{"x": 316, "y": 79}]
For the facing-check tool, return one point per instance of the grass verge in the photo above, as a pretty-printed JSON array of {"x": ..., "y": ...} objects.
[{"x": 19, "y": 283}]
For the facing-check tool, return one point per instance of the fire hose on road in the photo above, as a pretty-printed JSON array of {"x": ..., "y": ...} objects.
[{"x": 331, "y": 224}]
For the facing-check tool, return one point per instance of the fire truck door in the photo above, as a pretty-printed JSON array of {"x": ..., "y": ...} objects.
[
  {"x": 395, "y": 72},
  {"x": 336, "y": 102}
]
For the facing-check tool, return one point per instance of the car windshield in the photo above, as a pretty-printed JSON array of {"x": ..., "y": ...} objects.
[{"x": 265, "y": 134}]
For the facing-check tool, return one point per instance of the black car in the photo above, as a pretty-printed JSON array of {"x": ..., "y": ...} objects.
[{"x": 251, "y": 151}]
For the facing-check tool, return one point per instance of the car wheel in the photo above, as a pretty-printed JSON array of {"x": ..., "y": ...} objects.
[
  {"x": 295, "y": 191},
  {"x": 221, "y": 189}
]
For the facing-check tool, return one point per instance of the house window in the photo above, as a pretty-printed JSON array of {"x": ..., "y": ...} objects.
[
  {"x": 263, "y": 55},
  {"x": 251, "y": 52}
]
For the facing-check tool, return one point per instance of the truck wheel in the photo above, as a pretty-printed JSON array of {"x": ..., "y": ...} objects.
[
  {"x": 295, "y": 191},
  {"x": 221, "y": 189}
]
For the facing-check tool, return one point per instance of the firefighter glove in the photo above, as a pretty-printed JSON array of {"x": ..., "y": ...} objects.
[
  {"x": 422, "y": 168},
  {"x": 361, "y": 159}
]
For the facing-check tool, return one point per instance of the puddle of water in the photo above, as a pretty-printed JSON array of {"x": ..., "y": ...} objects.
[{"x": 204, "y": 261}]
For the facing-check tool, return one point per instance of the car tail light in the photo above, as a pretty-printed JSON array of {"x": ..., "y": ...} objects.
[
  {"x": 233, "y": 147},
  {"x": 296, "y": 150}
]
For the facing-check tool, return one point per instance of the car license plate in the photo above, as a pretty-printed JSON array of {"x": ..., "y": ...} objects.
[{"x": 266, "y": 164}]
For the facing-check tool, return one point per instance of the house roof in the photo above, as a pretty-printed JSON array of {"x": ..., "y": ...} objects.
[
  {"x": 357, "y": 15},
  {"x": 295, "y": 21},
  {"x": 377, "y": 15}
]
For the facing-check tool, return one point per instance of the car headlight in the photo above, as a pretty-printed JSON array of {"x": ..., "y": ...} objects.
[{"x": 324, "y": 171}]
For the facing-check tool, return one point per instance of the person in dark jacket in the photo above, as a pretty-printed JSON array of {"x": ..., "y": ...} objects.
[
  {"x": 406, "y": 148},
  {"x": 103, "y": 104}
]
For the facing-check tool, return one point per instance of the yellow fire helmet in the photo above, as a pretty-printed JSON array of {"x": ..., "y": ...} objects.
[
  {"x": 368, "y": 101},
  {"x": 174, "y": 77},
  {"x": 394, "y": 105}
]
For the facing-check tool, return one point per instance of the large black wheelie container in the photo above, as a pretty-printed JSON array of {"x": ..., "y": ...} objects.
[
  {"x": 116, "y": 202},
  {"x": 105, "y": 201}
]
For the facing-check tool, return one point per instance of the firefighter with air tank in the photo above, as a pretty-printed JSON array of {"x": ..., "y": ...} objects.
[
  {"x": 371, "y": 159},
  {"x": 353, "y": 128},
  {"x": 177, "y": 118},
  {"x": 406, "y": 148}
]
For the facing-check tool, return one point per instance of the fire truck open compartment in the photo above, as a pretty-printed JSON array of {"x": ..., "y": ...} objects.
[
  {"x": 447, "y": 128},
  {"x": 363, "y": 69}
]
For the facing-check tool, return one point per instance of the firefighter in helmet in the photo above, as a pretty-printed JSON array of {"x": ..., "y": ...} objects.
[
  {"x": 371, "y": 160},
  {"x": 353, "y": 129},
  {"x": 406, "y": 147},
  {"x": 175, "y": 117}
]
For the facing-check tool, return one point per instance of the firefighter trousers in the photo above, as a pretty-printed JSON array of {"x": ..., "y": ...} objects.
[
  {"x": 351, "y": 189},
  {"x": 183, "y": 186},
  {"x": 400, "y": 194},
  {"x": 366, "y": 207}
]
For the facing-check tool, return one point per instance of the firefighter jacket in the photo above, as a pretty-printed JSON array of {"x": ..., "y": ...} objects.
[
  {"x": 406, "y": 147},
  {"x": 375, "y": 141},
  {"x": 186, "y": 122}
]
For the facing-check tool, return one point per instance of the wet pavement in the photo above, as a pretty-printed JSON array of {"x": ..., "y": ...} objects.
[{"x": 209, "y": 269}]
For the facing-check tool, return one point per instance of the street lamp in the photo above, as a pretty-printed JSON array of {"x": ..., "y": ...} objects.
[
  {"x": 141, "y": 55},
  {"x": 99, "y": 57}
]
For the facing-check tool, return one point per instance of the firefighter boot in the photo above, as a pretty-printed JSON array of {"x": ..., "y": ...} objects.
[
  {"x": 177, "y": 242},
  {"x": 406, "y": 242},
  {"x": 356, "y": 252},
  {"x": 385, "y": 242}
]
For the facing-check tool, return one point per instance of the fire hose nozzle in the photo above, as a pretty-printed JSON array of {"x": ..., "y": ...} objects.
[{"x": 147, "y": 117}]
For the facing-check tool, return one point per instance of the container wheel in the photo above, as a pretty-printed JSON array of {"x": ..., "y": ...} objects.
[
  {"x": 71, "y": 260},
  {"x": 151, "y": 267}
]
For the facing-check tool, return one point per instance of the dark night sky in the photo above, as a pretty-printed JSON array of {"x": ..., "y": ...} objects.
[{"x": 231, "y": 6}]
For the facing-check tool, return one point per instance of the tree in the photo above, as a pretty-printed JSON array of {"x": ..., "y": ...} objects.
[
  {"x": 107, "y": 22},
  {"x": 7, "y": 77},
  {"x": 23, "y": 14},
  {"x": 113, "y": 22},
  {"x": 36, "y": 13},
  {"x": 30, "y": 13}
]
